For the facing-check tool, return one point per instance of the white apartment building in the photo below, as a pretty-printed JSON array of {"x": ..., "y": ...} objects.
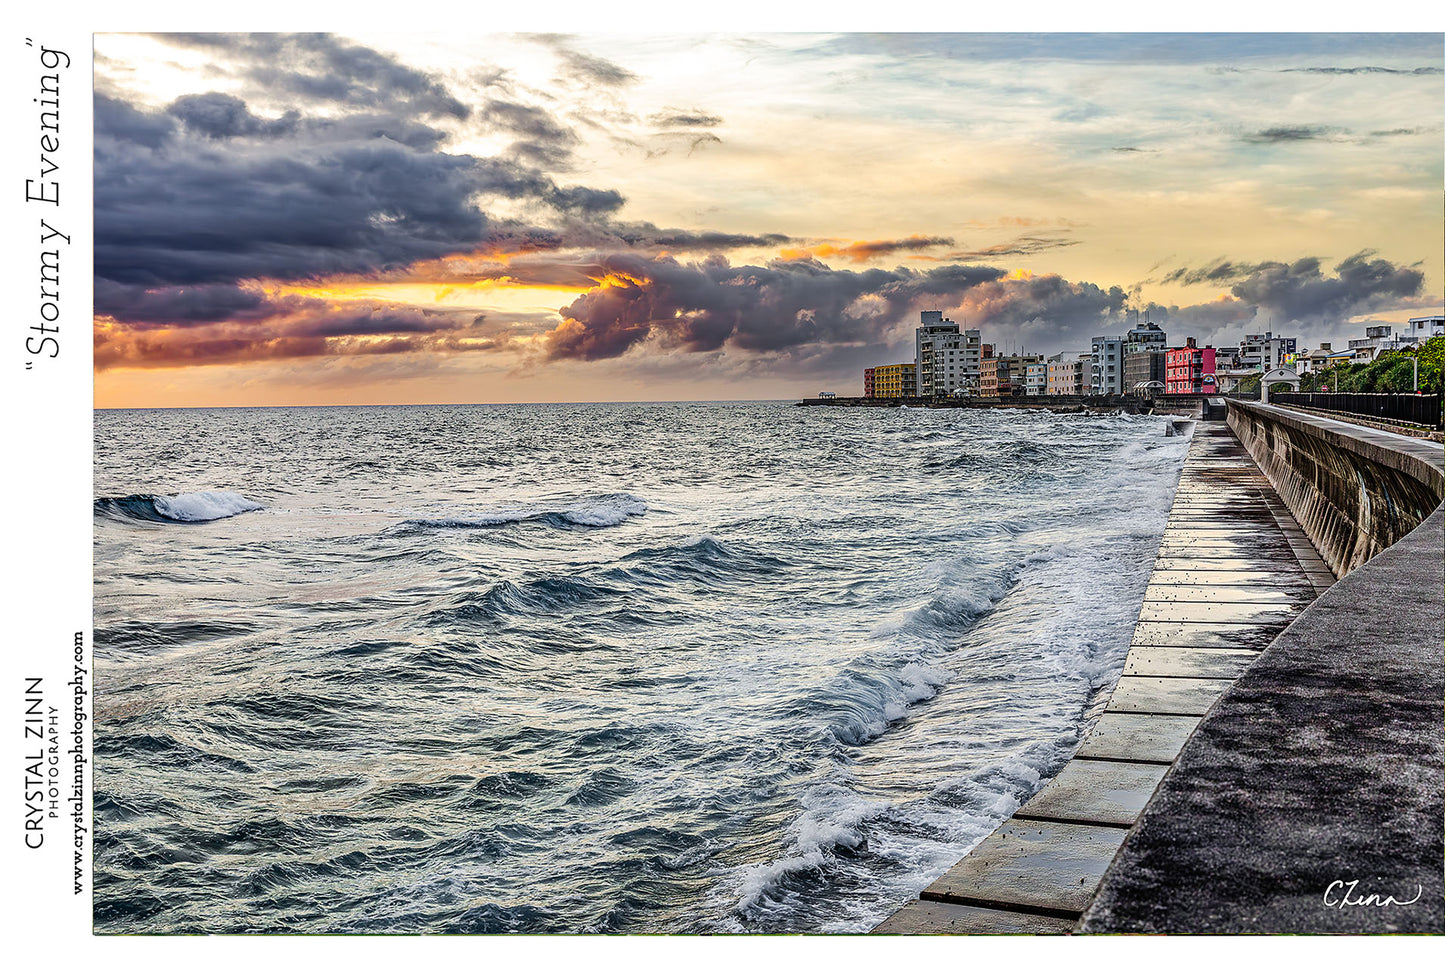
[
  {"x": 1106, "y": 365},
  {"x": 947, "y": 358},
  {"x": 1426, "y": 326},
  {"x": 1036, "y": 378},
  {"x": 1378, "y": 339},
  {"x": 1264, "y": 352}
]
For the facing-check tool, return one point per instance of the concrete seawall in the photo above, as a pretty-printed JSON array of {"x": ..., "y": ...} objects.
[
  {"x": 1355, "y": 491},
  {"x": 1311, "y": 798}
]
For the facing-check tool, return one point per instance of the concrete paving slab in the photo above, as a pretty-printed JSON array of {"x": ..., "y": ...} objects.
[
  {"x": 1261, "y": 592},
  {"x": 1275, "y": 614},
  {"x": 1204, "y": 575},
  {"x": 1216, "y": 563},
  {"x": 1220, "y": 662},
  {"x": 1097, "y": 792},
  {"x": 1032, "y": 864},
  {"x": 1166, "y": 695},
  {"x": 1278, "y": 555},
  {"x": 945, "y": 918},
  {"x": 1148, "y": 738},
  {"x": 1252, "y": 636}
]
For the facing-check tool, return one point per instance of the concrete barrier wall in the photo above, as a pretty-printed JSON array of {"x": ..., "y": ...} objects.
[{"x": 1353, "y": 492}]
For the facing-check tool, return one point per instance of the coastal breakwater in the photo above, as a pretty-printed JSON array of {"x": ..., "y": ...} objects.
[{"x": 1298, "y": 741}]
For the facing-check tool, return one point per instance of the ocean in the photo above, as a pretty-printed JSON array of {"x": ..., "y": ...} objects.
[{"x": 617, "y": 668}]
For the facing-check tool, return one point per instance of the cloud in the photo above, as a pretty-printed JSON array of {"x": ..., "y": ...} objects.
[
  {"x": 323, "y": 68},
  {"x": 1019, "y": 247},
  {"x": 860, "y": 251},
  {"x": 287, "y": 327},
  {"x": 583, "y": 67},
  {"x": 220, "y": 116},
  {"x": 672, "y": 117},
  {"x": 1285, "y": 135},
  {"x": 1301, "y": 292},
  {"x": 701, "y": 307},
  {"x": 1411, "y": 71}
]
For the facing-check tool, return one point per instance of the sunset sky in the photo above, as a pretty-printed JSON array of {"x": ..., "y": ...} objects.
[{"x": 320, "y": 219}]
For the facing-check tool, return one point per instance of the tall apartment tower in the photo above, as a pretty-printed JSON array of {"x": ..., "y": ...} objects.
[
  {"x": 1107, "y": 365},
  {"x": 947, "y": 358}
]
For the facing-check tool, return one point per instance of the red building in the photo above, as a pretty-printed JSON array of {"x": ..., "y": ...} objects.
[
  {"x": 867, "y": 383},
  {"x": 1189, "y": 369}
]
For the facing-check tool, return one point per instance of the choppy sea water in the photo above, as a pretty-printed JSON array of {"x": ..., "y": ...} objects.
[{"x": 729, "y": 667}]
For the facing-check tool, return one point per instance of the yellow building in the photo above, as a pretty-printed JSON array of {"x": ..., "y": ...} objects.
[{"x": 899, "y": 381}]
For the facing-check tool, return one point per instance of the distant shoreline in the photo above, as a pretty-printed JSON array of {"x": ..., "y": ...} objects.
[{"x": 1062, "y": 404}]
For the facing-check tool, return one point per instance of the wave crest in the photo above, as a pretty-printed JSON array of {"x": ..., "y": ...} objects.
[
  {"x": 591, "y": 512},
  {"x": 201, "y": 507}
]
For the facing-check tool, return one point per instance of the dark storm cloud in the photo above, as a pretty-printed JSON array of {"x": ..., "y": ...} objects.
[
  {"x": 221, "y": 116},
  {"x": 703, "y": 306},
  {"x": 320, "y": 67},
  {"x": 194, "y": 305},
  {"x": 121, "y": 123},
  {"x": 1301, "y": 292},
  {"x": 1045, "y": 312}
]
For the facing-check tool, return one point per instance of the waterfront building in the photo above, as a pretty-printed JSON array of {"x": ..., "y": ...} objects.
[
  {"x": 1007, "y": 375},
  {"x": 868, "y": 383},
  {"x": 1144, "y": 348},
  {"x": 1036, "y": 378},
  {"x": 1264, "y": 352},
  {"x": 1143, "y": 365},
  {"x": 1066, "y": 373},
  {"x": 896, "y": 381},
  {"x": 1317, "y": 360},
  {"x": 1189, "y": 369},
  {"x": 1145, "y": 337},
  {"x": 1106, "y": 365},
  {"x": 1426, "y": 327},
  {"x": 946, "y": 359},
  {"x": 988, "y": 378},
  {"x": 1378, "y": 339}
]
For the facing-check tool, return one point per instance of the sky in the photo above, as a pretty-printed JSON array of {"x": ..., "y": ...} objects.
[{"x": 490, "y": 217}]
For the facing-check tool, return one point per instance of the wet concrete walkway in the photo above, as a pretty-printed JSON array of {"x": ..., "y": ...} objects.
[{"x": 1233, "y": 570}]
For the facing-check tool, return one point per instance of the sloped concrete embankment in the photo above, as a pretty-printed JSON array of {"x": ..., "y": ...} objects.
[{"x": 1356, "y": 491}]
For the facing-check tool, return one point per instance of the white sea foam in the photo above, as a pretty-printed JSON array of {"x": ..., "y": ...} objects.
[{"x": 203, "y": 506}]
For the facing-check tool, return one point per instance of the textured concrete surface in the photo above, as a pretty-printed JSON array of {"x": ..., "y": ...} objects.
[
  {"x": 1311, "y": 799},
  {"x": 1027, "y": 865},
  {"x": 1091, "y": 791},
  {"x": 946, "y": 918}
]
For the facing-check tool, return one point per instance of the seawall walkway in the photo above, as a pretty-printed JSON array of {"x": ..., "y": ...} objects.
[
  {"x": 1233, "y": 570},
  {"x": 1312, "y": 797}
]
